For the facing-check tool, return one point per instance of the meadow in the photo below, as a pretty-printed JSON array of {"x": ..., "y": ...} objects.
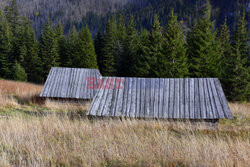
[{"x": 49, "y": 133}]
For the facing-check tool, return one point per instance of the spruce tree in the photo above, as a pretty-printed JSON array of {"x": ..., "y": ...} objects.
[
  {"x": 241, "y": 79},
  {"x": 130, "y": 50},
  {"x": 110, "y": 50},
  {"x": 99, "y": 43},
  {"x": 87, "y": 57},
  {"x": 142, "y": 60},
  {"x": 29, "y": 51},
  {"x": 121, "y": 44},
  {"x": 19, "y": 73},
  {"x": 174, "y": 60},
  {"x": 5, "y": 47},
  {"x": 227, "y": 59},
  {"x": 156, "y": 42},
  {"x": 60, "y": 38},
  {"x": 72, "y": 49},
  {"x": 203, "y": 49},
  {"x": 48, "y": 49},
  {"x": 13, "y": 18}
]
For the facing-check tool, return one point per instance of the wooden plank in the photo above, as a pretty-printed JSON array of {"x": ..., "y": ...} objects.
[
  {"x": 171, "y": 98},
  {"x": 217, "y": 100},
  {"x": 97, "y": 76},
  {"x": 58, "y": 92},
  {"x": 209, "y": 113},
  {"x": 114, "y": 97},
  {"x": 83, "y": 88},
  {"x": 79, "y": 83},
  {"x": 74, "y": 84},
  {"x": 192, "y": 98},
  {"x": 119, "y": 104},
  {"x": 142, "y": 99},
  {"x": 84, "y": 85},
  {"x": 67, "y": 84},
  {"x": 132, "y": 113},
  {"x": 166, "y": 88},
  {"x": 213, "y": 105},
  {"x": 156, "y": 99},
  {"x": 95, "y": 105},
  {"x": 159, "y": 114},
  {"x": 104, "y": 98},
  {"x": 125, "y": 97},
  {"x": 223, "y": 100},
  {"x": 147, "y": 98},
  {"x": 70, "y": 83},
  {"x": 52, "y": 81},
  {"x": 91, "y": 90},
  {"x": 152, "y": 92},
  {"x": 202, "y": 99},
  {"x": 46, "y": 85},
  {"x": 93, "y": 75},
  {"x": 55, "y": 82},
  {"x": 182, "y": 99},
  {"x": 129, "y": 90},
  {"x": 176, "y": 98},
  {"x": 65, "y": 81},
  {"x": 197, "y": 109},
  {"x": 187, "y": 98},
  {"x": 87, "y": 95},
  {"x": 138, "y": 97},
  {"x": 107, "y": 106}
]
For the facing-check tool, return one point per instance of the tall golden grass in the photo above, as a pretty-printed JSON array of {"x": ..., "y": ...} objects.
[{"x": 61, "y": 141}]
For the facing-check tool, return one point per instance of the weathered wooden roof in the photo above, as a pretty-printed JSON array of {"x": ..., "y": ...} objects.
[
  {"x": 69, "y": 83},
  {"x": 201, "y": 98}
]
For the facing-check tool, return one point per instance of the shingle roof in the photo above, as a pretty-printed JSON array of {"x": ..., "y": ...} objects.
[
  {"x": 189, "y": 98},
  {"x": 69, "y": 83}
]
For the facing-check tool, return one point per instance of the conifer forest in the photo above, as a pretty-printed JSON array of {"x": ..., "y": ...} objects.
[{"x": 131, "y": 38}]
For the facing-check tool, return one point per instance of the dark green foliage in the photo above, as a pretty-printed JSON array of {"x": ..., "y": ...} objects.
[
  {"x": 61, "y": 48},
  {"x": 174, "y": 60},
  {"x": 12, "y": 16},
  {"x": 110, "y": 50},
  {"x": 99, "y": 44},
  {"x": 19, "y": 73},
  {"x": 87, "y": 56},
  {"x": 142, "y": 60},
  {"x": 130, "y": 50},
  {"x": 72, "y": 49},
  {"x": 121, "y": 44},
  {"x": 31, "y": 63},
  {"x": 203, "y": 49},
  {"x": 227, "y": 59},
  {"x": 5, "y": 47},
  {"x": 48, "y": 49},
  {"x": 155, "y": 51},
  {"x": 240, "y": 76}
]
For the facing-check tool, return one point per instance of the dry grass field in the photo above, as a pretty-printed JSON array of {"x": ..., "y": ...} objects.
[{"x": 36, "y": 135}]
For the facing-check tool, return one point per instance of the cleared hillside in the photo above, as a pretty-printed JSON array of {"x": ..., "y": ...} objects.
[{"x": 95, "y": 13}]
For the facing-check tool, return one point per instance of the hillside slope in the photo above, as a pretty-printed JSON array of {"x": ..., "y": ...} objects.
[{"x": 95, "y": 13}]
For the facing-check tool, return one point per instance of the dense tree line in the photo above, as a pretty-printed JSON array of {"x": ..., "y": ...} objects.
[{"x": 123, "y": 50}]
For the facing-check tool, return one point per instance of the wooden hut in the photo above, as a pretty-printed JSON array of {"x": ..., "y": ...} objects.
[
  {"x": 176, "y": 99},
  {"x": 70, "y": 84}
]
